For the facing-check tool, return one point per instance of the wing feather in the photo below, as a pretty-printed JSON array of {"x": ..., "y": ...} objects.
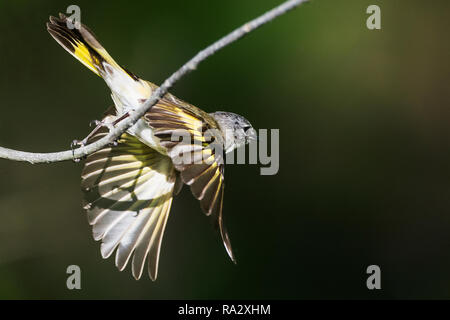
[
  {"x": 128, "y": 190},
  {"x": 205, "y": 173}
]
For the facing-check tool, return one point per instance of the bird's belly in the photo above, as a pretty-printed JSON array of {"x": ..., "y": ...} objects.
[{"x": 144, "y": 133}]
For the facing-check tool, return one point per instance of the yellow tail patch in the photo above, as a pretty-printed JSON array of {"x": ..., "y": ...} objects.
[{"x": 81, "y": 43}]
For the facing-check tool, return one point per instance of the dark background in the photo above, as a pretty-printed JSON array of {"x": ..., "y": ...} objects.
[{"x": 364, "y": 149}]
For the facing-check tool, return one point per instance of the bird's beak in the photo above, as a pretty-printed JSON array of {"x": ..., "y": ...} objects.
[{"x": 251, "y": 135}]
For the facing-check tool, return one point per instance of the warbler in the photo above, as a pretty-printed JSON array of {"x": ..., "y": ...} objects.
[{"x": 128, "y": 187}]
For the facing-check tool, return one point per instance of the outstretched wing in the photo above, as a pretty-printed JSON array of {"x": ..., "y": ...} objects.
[
  {"x": 204, "y": 169},
  {"x": 128, "y": 191}
]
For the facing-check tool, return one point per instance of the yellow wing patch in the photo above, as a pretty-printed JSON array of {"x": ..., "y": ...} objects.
[{"x": 205, "y": 177}]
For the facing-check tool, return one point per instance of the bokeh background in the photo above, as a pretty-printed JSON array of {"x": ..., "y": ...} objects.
[{"x": 364, "y": 119}]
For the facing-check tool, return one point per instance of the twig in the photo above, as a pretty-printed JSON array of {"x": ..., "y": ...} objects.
[{"x": 135, "y": 115}]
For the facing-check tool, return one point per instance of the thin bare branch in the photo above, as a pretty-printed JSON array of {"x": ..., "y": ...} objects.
[{"x": 135, "y": 115}]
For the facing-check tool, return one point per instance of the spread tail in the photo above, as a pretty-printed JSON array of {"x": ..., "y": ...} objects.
[{"x": 80, "y": 42}]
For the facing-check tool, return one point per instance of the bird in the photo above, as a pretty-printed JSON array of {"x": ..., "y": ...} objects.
[{"x": 128, "y": 186}]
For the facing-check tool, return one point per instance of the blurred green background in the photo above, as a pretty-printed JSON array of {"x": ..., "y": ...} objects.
[{"x": 364, "y": 149}]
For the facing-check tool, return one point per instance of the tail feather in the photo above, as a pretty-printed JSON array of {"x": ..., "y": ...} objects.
[
  {"x": 127, "y": 88},
  {"x": 81, "y": 43}
]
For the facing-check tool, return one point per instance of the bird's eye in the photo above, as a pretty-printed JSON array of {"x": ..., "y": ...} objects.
[{"x": 247, "y": 127}]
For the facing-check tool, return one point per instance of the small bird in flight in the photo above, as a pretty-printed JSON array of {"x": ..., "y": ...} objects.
[{"x": 128, "y": 187}]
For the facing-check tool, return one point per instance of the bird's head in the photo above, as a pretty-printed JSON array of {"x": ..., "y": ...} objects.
[{"x": 236, "y": 130}]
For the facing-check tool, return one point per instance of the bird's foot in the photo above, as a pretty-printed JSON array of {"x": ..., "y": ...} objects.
[
  {"x": 98, "y": 125},
  {"x": 75, "y": 144},
  {"x": 81, "y": 143}
]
